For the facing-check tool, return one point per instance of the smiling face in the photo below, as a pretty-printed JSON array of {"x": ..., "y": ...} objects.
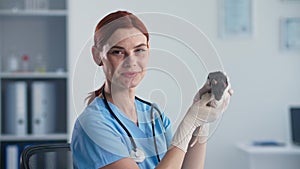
[{"x": 125, "y": 57}]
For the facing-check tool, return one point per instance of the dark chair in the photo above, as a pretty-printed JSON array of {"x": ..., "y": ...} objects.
[{"x": 46, "y": 156}]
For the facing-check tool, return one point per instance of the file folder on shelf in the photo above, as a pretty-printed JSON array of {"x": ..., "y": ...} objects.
[
  {"x": 12, "y": 156},
  {"x": 16, "y": 108},
  {"x": 43, "y": 107}
]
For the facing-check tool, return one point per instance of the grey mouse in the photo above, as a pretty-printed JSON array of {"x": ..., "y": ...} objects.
[{"x": 218, "y": 82}]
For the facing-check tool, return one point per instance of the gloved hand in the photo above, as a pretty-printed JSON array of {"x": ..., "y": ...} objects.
[
  {"x": 201, "y": 112},
  {"x": 202, "y": 132},
  {"x": 196, "y": 116}
]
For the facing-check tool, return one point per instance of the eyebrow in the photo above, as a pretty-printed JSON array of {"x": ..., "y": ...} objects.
[
  {"x": 120, "y": 47},
  {"x": 140, "y": 45}
]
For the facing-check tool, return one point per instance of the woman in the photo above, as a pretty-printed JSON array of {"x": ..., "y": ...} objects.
[{"x": 116, "y": 130}]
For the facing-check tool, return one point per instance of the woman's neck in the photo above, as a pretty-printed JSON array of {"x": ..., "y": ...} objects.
[{"x": 123, "y": 98}]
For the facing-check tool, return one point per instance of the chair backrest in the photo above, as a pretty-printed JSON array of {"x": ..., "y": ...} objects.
[{"x": 46, "y": 156}]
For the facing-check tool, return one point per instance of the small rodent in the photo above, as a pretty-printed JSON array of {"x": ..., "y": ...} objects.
[{"x": 218, "y": 82}]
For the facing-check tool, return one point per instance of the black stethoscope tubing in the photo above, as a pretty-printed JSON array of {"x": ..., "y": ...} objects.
[
  {"x": 127, "y": 131},
  {"x": 153, "y": 130}
]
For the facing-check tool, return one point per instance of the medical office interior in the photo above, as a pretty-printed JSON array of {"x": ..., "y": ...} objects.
[{"x": 47, "y": 71}]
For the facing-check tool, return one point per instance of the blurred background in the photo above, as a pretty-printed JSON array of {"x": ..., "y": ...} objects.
[
  {"x": 262, "y": 72},
  {"x": 257, "y": 43}
]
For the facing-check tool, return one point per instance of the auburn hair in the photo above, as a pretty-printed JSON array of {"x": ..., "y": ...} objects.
[{"x": 106, "y": 27}]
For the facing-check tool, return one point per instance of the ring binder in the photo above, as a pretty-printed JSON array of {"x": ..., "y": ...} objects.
[
  {"x": 43, "y": 107},
  {"x": 16, "y": 108}
]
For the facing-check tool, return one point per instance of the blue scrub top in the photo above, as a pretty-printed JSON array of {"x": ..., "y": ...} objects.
[{"x": 98, "y": 139}]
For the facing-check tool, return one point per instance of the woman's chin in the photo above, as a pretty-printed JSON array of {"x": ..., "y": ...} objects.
[
  {"x": 131, "y": 85},
  {"x": 127, "y": 84},
  {"x": 131, "y": 82}
]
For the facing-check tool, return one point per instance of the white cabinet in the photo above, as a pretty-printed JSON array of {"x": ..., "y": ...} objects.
[
  {"x": 33, "y": 50},
  {"x": 270, "y": 157}
]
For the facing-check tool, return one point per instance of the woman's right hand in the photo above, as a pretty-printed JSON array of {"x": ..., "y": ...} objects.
[
  {"x": 206, "y": 108},
  {"x": 202, "y": 132},
  {"x": 201, "y": 112}
]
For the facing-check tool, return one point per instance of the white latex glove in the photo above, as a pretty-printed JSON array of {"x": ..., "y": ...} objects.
[
  {"x": 196, "y": 116},
  {"x": 202, "y": 132},
  {"x": 201, "y": 112}
]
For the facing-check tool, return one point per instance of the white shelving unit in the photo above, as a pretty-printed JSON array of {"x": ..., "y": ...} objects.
[
  {"x": 35, "y": 33},
  {"x": 52, "y": 137},
  {"x": 36, "y": 75},
  {"x": 33, "y": 13}
]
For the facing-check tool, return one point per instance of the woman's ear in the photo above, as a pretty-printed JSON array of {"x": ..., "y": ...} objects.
[
  {"x": 96, "y": 56},
  {"x": 148, "y": 46}
]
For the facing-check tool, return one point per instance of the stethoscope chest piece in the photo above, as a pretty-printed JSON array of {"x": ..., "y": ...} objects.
[{"x": 137, "y": 155}]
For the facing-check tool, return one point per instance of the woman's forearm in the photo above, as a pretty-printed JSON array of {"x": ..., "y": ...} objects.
[
  {"x": 175, "y": 158},
  {"x": 172, "y": 160},
  {"x": 195, "y": 156}
]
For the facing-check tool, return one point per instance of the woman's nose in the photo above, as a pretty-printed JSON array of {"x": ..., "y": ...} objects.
[{"x": 130, "y": 61}]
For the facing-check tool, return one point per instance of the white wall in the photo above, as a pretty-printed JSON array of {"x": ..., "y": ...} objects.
[{"x": 265, "y": 79}]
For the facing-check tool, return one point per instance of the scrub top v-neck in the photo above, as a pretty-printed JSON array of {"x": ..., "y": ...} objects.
[{"x": 98, "y": 139}]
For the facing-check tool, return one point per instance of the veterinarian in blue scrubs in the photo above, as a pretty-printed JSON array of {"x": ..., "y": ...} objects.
[{"x": 118, "y": 130}]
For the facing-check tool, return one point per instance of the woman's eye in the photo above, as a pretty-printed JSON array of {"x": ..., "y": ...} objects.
[
  {"x": 140, "y": 50},
  {"x": 116, "y": 52}
]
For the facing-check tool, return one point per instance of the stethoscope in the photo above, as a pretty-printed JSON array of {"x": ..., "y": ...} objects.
[{"x": 137, "y": 154}]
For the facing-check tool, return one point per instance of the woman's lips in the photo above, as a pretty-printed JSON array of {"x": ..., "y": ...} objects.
[{"x": 129, "y": 74}]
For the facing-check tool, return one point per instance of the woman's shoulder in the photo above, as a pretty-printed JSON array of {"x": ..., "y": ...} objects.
[
  {"x": 146, "y": 106},
  {"x": 95, "y": 111},
  {"x": 142, "y": 104}
]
